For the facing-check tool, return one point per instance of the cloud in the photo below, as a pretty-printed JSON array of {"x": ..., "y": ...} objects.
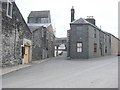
[{"x": 104, "y": 11}]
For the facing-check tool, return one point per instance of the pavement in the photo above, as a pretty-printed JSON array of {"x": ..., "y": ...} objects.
[
  {"x": 59, "y": 72},
  {"x": 7, "y": 70},
  {"x": 10, "y": 69},
  {"x": 13, "y": 68}
]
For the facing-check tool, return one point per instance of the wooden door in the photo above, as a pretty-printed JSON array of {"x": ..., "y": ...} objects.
[{"x": 26, "y": 55}]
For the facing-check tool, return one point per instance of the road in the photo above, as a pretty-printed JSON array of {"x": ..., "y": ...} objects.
[{"x": 62, "y": 73}]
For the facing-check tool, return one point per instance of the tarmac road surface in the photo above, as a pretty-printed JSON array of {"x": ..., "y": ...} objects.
[{"x": 62, "y": 73}]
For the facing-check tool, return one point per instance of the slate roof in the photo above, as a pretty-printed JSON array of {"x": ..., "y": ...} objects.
[
  {"x": 42, "y": 14},
  {"x": 82, "y": 21},
  {"x": 36, "y": 26}
]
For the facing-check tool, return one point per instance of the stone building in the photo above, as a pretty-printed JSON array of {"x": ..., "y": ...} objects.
[
  {"x": 15, "y": 36},
  {"x": 61, "y": 41},
  {"x": 86, "y": 40},
  {"x": 60, "y": 45},
  {"x": 115, "y": 45},
  {"x": 43, "y": 39},
  {"x": 0, "y": 33}
]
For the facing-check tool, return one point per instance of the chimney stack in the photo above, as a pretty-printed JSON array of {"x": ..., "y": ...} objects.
[
  {"x": 72, "y": 14},
  {"x": 90, "y": 19}
]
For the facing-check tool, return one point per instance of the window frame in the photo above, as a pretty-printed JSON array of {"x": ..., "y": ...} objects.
[
  {"x": 79, "y": 47},
  {"x": 106, "y": 49},
  {"x": 9, "y": 8},
  {"x": 95, "y": 33},
  {"x": 95, "y": 47}
]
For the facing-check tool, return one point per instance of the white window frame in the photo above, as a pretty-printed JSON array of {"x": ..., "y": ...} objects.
[
  {"x": 79, "y": 47},
  {"x": 9, "y": 2}
]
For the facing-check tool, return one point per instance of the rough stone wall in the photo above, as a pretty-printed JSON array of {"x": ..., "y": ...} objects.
[
  {"x": 108, "y": 44},
  {"x": 68, "y": 43},
  {"x": 78, "y": 33},
  {"x": 37, "y": 47},
  {"x": 114, "y": 45},
  {"x": 51, "y": 41},
  {"x": 0, "y": 34},
  {"x": 43, "y": 45},
  {"x": 13, "y": 31},
  {"x": 102, "y": 40},
  {"x": 10, "y": 38}
]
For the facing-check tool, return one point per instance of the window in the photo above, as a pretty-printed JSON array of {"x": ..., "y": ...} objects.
[
  {"x": 44, "y": 20},
  {"x": 94, "y": 33},
  {"x": 105, "y": 49},
  {"x": 79, "y": 47},
  {"x": 95, "y": 47},
  {"x": 109, "y": 41},
  {"x": 39, "y": 20},
  {"x": 105, "y": 38},
  {"x": 31, "y": 20},
  {"x": 9, "y": 9}
]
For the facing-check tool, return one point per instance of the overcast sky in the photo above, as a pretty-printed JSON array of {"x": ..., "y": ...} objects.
[{"x": 104, "y": 11}]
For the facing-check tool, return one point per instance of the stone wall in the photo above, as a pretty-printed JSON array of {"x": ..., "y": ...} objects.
[
  {"x": 14, "y": 30},
  {"x": 43, "y": 45},
  {"x": 114, "y": 45},
  {"x": 78, "y": 33},
  {"x": 0, "y": 34},
  {"x": 37, "y": 47},
  {"x": 51, "y": 41}
]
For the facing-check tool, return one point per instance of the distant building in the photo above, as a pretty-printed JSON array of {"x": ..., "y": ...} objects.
[
  {"x": 68, "y": 43},
  {"x": 43, "y": 38},
  {"x": 86, "y": 40},
  {"x": 60, "y": 45},
  {"x": 114, "y": 45},
  {"x": 15, "y": 43},
  {"x": 0, "y": 33},
  {"x": 39, "y": 17},
  {"x": 60, "y": 41}
]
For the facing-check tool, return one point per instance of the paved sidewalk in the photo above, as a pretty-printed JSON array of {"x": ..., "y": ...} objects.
[
  {"x": 43, "y": 60},
  {"x": 18, "y": 67},
  {"x": 13, "y": 68}
]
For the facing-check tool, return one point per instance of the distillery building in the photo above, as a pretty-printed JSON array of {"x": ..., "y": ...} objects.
[
  {"x": 86, "y": 40},
  {"x": 15, "y": 36},
  {"x": 43, "y": 36}
]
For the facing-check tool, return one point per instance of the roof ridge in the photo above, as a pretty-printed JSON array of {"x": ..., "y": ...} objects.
[{"x": 40, "y": 11}]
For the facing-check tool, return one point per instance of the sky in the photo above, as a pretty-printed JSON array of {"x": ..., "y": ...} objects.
[{"x": 104, "y": 11}]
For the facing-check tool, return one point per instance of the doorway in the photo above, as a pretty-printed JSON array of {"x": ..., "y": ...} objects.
[{"x": 27, "y": 54}]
